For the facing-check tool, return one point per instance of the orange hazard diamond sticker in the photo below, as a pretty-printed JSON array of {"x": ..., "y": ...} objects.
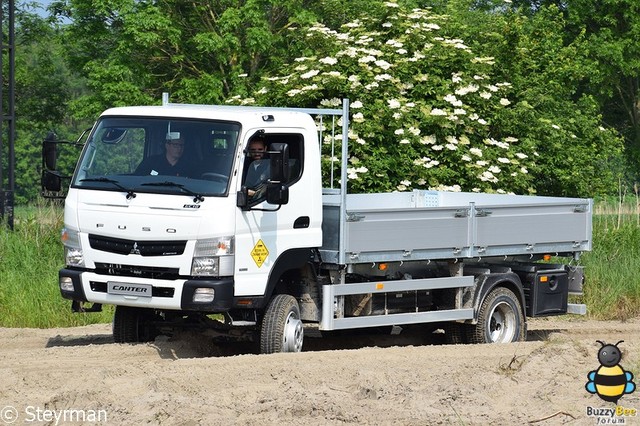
[{"x": 259, "y": 253}]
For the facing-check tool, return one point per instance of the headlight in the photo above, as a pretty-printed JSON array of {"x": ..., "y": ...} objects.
[
  {"x": 213, "y": 257},
  {"x": 72, "y": 248},
  {"x": 205, "y": 266}
]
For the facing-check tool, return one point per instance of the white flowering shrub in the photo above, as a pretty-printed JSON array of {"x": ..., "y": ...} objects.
[{"x": 423, "y": 105}]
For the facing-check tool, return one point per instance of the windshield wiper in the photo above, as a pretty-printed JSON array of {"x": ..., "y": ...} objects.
[
  {"x": 130, "y": 193},
  {"x": 196, "y": 197}
]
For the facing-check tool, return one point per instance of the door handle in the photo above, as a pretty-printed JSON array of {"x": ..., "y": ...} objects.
[{"x": 301, "y": 223}]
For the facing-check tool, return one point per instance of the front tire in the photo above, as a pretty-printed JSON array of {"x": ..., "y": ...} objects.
[
  {"x": 281, "y": 329},
  {"x": 132, "y": 325},
  {"x": 500, "y": 319},
  {"x": 455, "y": 333}
]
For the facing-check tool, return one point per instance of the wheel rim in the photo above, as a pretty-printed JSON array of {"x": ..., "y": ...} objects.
[
  {"x": 293, "y": 334},
  {"x": 502, "y": 323}
]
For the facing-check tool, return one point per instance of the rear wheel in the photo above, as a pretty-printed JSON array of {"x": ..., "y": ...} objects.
[
  {"x": 500, "y": 319},
  {"x": 133, "y": 325},
  {"x": 281, "y": 329}
]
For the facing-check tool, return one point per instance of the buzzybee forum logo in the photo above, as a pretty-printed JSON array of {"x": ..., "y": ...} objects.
[{"x": 610, "y": 381}]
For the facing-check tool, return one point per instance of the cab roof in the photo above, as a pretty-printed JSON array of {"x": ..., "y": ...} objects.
[{"x": 246, "y": 115}]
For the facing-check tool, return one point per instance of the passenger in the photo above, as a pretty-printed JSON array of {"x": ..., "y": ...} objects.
[
  {"x": 258, "y": 170},
  {"x": 170, "y": 163}
]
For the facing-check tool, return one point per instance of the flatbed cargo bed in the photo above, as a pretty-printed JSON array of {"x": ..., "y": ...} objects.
[{"x": 436, "y": 225}]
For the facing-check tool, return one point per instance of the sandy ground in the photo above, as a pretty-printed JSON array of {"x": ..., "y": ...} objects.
[{"x": 56, "y": 376}]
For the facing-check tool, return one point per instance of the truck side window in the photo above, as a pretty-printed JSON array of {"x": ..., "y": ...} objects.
[{"x": 256, "y": 167}]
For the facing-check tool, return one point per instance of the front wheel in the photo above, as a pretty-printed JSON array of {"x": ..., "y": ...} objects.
[
  {"x": 281, "y": 329},
  {"x": 133, "y": 325},
  {"x": 455, "y": 333},
  {"x": 500, "y": 319}
]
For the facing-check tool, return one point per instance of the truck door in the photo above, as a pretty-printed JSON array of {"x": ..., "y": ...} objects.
[{"x": 265, "y": 231}]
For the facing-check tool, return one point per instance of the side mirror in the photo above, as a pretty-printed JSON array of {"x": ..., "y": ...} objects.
[
  {"x": 277, "y": 193},
  {"x": 49, "y": 151},
  {"x": 51, "y": 181},
  {"x": 279, "y": 163},
  {"x": 242, "y": 198}
]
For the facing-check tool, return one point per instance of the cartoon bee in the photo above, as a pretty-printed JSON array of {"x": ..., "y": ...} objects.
[{"x": 610, "y": 381}]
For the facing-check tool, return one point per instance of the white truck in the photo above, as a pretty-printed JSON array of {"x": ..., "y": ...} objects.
[{"x": 197, "y": 250}]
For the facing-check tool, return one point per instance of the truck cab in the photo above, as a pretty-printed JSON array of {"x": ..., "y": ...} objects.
[{"x": 189, "y": 239}]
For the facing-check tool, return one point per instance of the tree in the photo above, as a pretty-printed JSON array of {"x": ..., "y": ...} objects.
[
  {"x": 201, "y": 52},
  {"x": 43, "y": 87},
  {"x": 429, "y": 111},
  {"x": 608, "y": 32},
  {"x": 131, "y": 51},
  {"x": 514, "y": 83},
  {"x": 611, "y": 30},
  {"x": 578, "y": 153}
]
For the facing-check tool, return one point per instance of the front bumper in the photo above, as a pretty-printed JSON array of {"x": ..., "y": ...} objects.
[{"x": 166, "y": 294}]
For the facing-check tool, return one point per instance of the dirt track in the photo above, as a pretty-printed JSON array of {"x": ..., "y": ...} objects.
[{"x": 184, "y": 381}]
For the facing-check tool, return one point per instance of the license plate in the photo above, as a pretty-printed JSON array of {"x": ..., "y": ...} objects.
[{"x": 128, "y": 289}]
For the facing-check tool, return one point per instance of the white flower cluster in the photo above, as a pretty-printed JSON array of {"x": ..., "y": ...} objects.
[
  {"x": 355, "y": 172},
  {"x": 426, "y": 162},
  {"x": 434, "y": 121}
]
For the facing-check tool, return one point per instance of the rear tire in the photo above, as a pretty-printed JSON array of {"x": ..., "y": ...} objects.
[
  {"x": 500, "y": 319},
  {"x": 133, "y": 325},
  {"x": 281, "y": 329}
]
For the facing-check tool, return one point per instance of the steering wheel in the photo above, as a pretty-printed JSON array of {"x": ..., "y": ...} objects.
[{"x": 217, "y": 177}]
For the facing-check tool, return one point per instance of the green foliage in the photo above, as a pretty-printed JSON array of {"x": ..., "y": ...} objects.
[
  {"x": 194, "y": 51},
  {"x": 609, "y": 62},
  {"x": 571, "y": 66},
  {"x": 30, "y": 257},
  {"x": 429, "y": 111},
  {"x": 43, "y": 87},
  {"x": 577, "y": 155},
  {"x": 611, "y": 29},
  {"x": 612, "y": 289}
]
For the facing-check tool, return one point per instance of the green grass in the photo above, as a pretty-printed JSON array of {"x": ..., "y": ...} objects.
[
  {"x": 31, "y": 255},
  {"x": 612, "y": 269}
]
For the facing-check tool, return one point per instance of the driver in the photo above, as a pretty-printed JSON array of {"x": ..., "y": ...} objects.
[
  {"x": 257, "y": 172},
  {"x": 170, "y": 163}
]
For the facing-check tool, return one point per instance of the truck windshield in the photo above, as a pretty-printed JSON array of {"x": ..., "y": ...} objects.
[{"x": 140, "y": 154}]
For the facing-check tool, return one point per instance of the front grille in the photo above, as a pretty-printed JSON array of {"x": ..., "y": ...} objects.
[
  {"x": 153, "y": 272},
  {"x": 155, "y": 291},
  {"x": 143, "y": 248}
]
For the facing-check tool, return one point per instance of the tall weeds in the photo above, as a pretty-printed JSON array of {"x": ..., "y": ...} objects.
[
  {"x": 31, "y": 255},
  {"x": 612, "y": 269}
]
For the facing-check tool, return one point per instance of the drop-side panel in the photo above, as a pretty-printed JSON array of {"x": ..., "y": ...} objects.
[
  {"x": 431, "y": 225},
  {"x": 532, "y": 229},
  {"x": 407, "y": 232}
]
